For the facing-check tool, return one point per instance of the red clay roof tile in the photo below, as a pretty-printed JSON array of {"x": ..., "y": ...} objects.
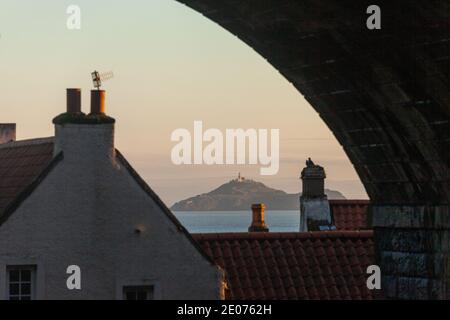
[
  {"x": 301, "y": 265},
  {"x": 349, "y": 214},
  {"x": 20, "y": 164}
]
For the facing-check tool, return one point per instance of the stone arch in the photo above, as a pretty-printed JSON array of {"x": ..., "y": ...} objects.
[{"x": 385, "y": 94}]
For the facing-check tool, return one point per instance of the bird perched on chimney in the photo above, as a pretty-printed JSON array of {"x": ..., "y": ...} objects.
[{"x": 309, "y": 163}]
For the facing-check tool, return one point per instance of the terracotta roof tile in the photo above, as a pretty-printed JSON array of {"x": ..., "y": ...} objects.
[
  {"x": 349, "y": 214},
  {"x": 20, "y": 164},
  {"x": 302, "y": 265}
]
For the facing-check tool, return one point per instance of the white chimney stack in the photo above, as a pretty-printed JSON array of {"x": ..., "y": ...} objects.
[
  {"x": 315, "y": 212},
  {"x": 85, "y": 138}
]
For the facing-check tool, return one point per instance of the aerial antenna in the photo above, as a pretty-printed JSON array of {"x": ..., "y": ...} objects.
[{"x": 97, "y": 78}]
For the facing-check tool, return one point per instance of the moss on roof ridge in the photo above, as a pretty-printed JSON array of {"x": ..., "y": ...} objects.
[{"x": 81, "y": 118}]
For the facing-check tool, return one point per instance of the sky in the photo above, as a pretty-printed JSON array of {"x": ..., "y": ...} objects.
[{"x": 172, "y": 66}]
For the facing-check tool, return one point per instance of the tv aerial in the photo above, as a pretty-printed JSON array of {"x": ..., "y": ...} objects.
[{"x": 98, "y": 77}]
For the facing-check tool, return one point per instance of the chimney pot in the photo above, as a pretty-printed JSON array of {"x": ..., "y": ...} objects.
[
  {"x": 74, "y": 100},
  {"x": 7, "y": 132},
  {"x": 98, "y": 101},
  {"x": 258, "y": 222}
]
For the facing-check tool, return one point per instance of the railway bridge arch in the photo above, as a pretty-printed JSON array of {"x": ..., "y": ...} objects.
[{"x": 385, "y": 95}]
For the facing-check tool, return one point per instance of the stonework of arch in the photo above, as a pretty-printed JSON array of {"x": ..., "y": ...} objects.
[{"x": 385, "y": 94}]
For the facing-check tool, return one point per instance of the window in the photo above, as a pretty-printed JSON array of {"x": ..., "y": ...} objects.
[
  {"x": 138, "y": 293},
  {"x": 21, "y": 282}
]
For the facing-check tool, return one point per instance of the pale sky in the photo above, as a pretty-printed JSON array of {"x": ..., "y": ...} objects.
[{"x": 172, "y": 66}]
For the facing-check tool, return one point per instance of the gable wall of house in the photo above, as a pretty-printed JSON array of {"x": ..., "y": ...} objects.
[{"x": 89, "y": 211}]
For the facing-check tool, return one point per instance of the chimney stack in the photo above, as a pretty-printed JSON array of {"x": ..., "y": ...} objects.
[
  {"x": 7, "y": 132},
  {"x": 315, "y": 212},
  {"x": 98, "y": 102},
  {"x": 85, "y": 138},
  {"x": 74, "y": 101},
  {"x": 258, "y": 223}
]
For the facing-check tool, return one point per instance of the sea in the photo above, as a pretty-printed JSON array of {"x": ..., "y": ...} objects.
[{"x": 237, "y": 221}]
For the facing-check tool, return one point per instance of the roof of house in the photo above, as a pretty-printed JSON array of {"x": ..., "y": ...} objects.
[
  {"x": 350, "y": 214},
  {"x": 21, "y": 163},
  {"x": 300, "y": 265}
]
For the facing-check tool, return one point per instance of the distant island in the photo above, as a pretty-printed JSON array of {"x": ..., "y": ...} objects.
[{"x": 240, "y": 194}]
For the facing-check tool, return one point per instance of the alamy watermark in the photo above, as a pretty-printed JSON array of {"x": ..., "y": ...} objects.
[
  {"x": 236, "y": 146},
  {"x": 74, "y": 17},
  {"x": 374, "y": 280},
  {"x": 74, "y": 280},
  {"x": 374, "y": 20}
]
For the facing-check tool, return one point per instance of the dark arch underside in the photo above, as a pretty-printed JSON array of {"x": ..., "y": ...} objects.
[{"x": 385, "y": 94}]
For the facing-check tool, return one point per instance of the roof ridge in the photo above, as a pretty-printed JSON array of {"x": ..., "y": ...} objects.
[
  {"x": 27, "y": 142},
  {"x": 284, "y": 235},
  {"x": 349, "y": 201}
]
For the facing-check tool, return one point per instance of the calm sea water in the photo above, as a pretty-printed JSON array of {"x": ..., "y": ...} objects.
[{"x": 236, "y": 221}]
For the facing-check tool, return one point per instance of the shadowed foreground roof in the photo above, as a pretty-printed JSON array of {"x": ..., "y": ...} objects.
[
  {"x": 301, "y": 265},
  {"x": 21, "y": 163}
]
